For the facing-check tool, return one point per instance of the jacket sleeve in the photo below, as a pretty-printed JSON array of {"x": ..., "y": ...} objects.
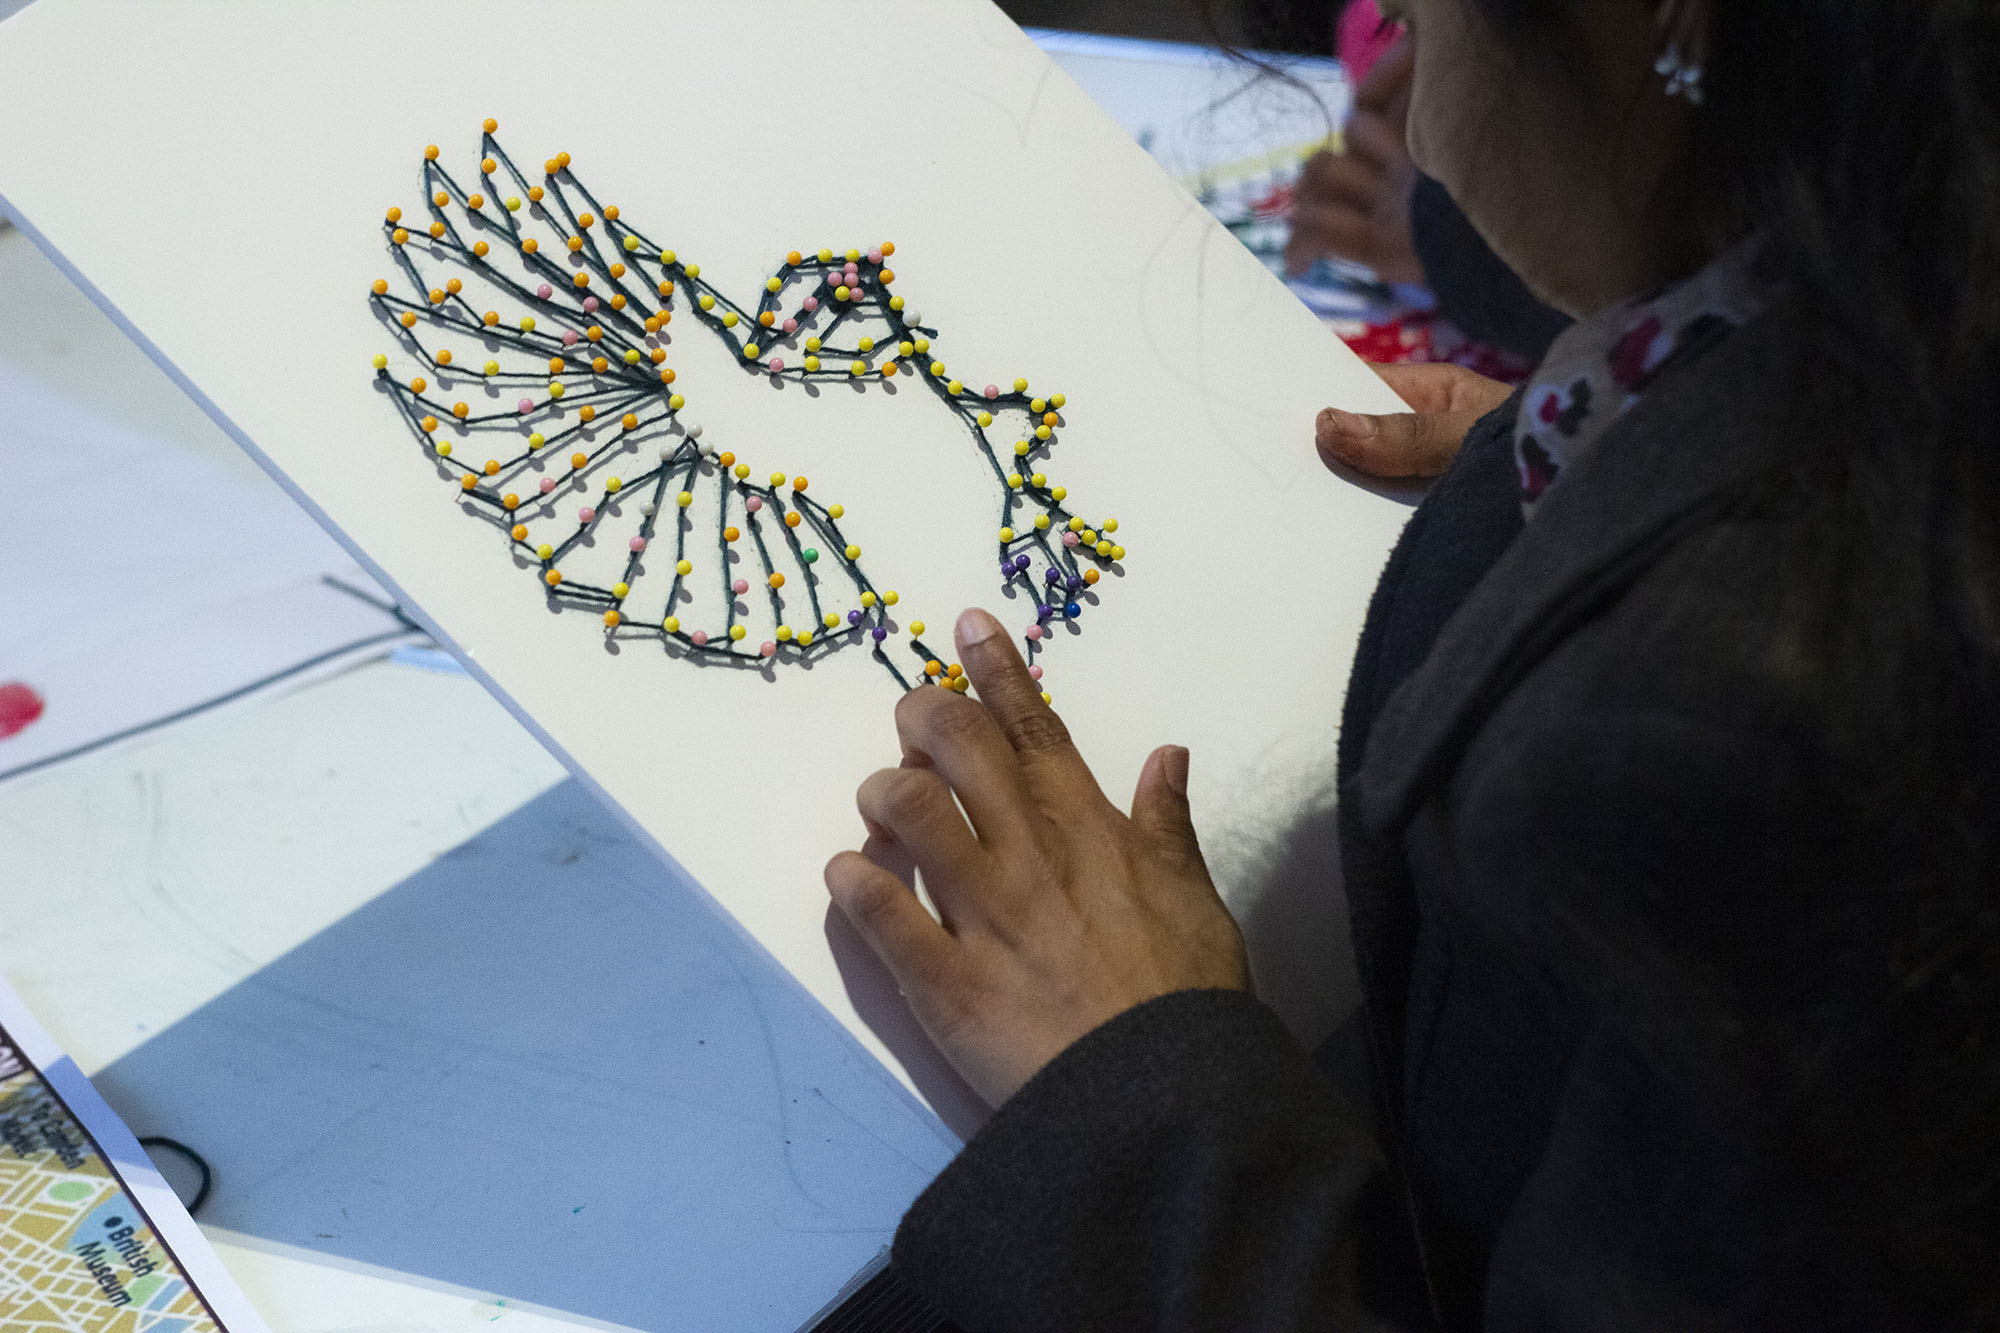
[{"x": 1184, "y": 1166}]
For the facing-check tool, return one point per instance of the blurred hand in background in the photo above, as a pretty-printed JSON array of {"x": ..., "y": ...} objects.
[{"x": 1355, "y": 204}]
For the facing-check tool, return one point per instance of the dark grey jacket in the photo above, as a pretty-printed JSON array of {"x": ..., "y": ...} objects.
[{"x": 1587, "y": 804}]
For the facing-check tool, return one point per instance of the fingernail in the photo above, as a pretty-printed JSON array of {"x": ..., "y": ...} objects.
[
  {"x": 975, "y": 627},
  {"x": 1177, "y": 769},
  {"x": 1351, "y": 424}
]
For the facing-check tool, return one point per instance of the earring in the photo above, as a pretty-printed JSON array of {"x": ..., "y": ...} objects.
[{"x": 1684, "y": 26}]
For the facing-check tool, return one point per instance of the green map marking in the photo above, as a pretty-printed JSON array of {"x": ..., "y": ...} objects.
[{"x": 77, "y": 1254}]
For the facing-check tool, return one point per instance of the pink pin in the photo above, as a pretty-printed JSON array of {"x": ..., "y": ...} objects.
[
  {"x": 1070, "y": 539},
  {"x": 637, "y": 543},
  {"x": 791, "y": 326},
  {"x": 740, "y": 587},
  {"x": 874, "y": 256},
  {"x": 1034, "y": 632},
  {"x": 526, "y": 405},
  {"x": 544, "y": 291},
  {"x": 699, "y": 637},
  {"x": 810, "y": 303},
  {"x": 569, "y": 337},
  {"x": 777, "y": 364},
  {"x": 992, "y": 391},
  {"x": 754, "y": 503},
  {"x": 585, "y": 514},
  {"x": 767, "y": 649},
  {"x": 590, "y": 304},
  {"x": 1034, "y": 672},
  {"x": 548, "y": 484}
]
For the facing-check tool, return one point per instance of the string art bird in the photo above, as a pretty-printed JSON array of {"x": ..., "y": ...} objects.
[{"x": 558, "y": 420}]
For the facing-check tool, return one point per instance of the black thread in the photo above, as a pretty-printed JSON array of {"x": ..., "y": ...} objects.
[
  {"x": 151, "y": 1141},
  {"x": 406, "y": 627},
  {"x": 611, "y": 391}
]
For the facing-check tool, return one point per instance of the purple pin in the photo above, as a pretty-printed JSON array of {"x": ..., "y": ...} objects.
[
  {"x": 879, "y": 633},
  {"x": 1044, "y": 611},
  {"x": 1055, "y": 576},
  {"x": 854, "y": 617}
]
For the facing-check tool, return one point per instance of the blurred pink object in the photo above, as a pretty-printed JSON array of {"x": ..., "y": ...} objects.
[{"x": 1360, "y": 38}]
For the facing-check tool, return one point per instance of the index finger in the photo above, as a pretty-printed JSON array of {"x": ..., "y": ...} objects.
[
  {"x": 1011, "y": 695},
  {"x": 944, "y": 731},
  {"x": 1389, "y": 80},
  {"x": 1371, "y": 138}
]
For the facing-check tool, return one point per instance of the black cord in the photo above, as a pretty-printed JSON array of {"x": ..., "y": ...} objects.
[
  {"x": 360, "y": 595},
  {"x": 200, "y": 1164},
  {"x": 220, "y": 699}
]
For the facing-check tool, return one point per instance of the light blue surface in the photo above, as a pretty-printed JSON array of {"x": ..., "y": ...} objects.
[
  {"x": 1062, "y": 41},
  {"x": 543, "y": 1067}
]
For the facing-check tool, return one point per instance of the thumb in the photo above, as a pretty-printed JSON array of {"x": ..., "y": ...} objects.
[
  {"x": 1160, "y": 805},
  {"x": 1398, "y": 444}
]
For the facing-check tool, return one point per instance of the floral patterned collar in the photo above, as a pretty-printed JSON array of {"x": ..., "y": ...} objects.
[{"x": 1599, "y": 366}]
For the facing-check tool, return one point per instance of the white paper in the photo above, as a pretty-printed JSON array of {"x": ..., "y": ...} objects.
[{"x": 1035, "y": 236}]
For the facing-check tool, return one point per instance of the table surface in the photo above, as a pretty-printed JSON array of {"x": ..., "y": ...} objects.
[{"x": 163, "y": 898}]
